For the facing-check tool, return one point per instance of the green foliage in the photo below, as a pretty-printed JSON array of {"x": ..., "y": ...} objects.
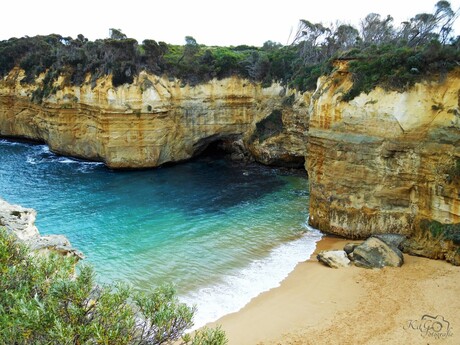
[
  {"x": 124, "y": 58},
  {"x": 43, "y": 301},
  {"x": 381, "y": 53},
  {"x": 207, "y": 336},
  {"x": 228, "y": 61},
  {"x": 397, "y": 68},
  {"x": 47, "y": 88},
  {"x": 116, "y": 34},
  {"x": 442, "y": 231},
  {"x": 307, "y": 76}
]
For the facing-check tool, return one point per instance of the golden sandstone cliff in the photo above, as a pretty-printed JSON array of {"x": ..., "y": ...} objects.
[
  {"x": 153, "y": 121},
  {"x": 385, "y": 162}
]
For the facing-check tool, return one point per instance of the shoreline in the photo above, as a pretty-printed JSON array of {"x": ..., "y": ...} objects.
[
  {"x": 236, "y": 290},
  {"x": 316, "y": 304}
]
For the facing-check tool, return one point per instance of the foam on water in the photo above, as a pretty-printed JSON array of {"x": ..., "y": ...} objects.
[
  {"x": 237, "y": 289},
  {"x": 42, "y": 154}
]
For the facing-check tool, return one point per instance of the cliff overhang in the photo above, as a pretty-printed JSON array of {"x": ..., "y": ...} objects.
[{"x": 153, "y": 121}]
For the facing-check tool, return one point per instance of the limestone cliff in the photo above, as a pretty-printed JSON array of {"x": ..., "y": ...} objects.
[
  {"x": 150, "y": 122},
  {"x": 387, "y": 161}
]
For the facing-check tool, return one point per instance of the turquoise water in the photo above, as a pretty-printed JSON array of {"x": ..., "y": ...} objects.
[{"x": 221, "y": 232}]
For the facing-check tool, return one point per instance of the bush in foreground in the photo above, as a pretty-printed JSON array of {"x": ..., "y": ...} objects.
[{"x": 43, "y": 301}]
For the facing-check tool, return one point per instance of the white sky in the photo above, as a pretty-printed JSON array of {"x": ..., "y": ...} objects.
[{"x": 230, "y": 22}]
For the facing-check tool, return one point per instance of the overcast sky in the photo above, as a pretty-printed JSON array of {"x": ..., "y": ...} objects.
[{"x": 225, "y": 23}]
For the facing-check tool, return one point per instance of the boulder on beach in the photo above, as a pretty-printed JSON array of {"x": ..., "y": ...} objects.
[
  {"x": 394, "y": 240},
  {"x": 375, "y": 253},
  {"x": 333, "y": 258},
  {"x": 349, "y": 247}
]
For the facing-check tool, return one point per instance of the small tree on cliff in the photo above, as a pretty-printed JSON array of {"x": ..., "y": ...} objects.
[
  {"x": 43, "y": 302},
  {"x": 116, "y": 34}
]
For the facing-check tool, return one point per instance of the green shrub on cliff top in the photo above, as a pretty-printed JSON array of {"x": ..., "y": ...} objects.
[
  {"x": 381, "y": 53},
  {"x": 43, "y": 301},
  {"x": 384, "y": 54},
  {"x": 124, "y": 58},
  {"x": 398, "y": 68}
]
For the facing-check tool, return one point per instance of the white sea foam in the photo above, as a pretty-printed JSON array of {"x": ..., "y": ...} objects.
[
  {"x": 42, "y": 154},
  {"x": 66, "y": 160},
  {"x": 14, "y": 143},
  {"x": 238, "y": 289},
  {"x": 44, "y": 149}
]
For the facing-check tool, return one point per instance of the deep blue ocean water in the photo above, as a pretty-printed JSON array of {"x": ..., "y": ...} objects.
[{"x": 221, "y": 232}]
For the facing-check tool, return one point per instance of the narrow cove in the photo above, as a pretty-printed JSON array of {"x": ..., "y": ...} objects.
[{"x": 220, "y": 232}]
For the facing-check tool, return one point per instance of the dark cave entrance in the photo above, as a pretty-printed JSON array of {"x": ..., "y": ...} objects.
[
  {"x": 215, "y": 149},
  {"x": 217, "y": 146}
]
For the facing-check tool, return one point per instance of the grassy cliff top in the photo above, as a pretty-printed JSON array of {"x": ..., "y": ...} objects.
[{"x": 394, "y": 57}]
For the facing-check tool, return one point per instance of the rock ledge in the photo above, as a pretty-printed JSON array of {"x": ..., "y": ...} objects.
[{"x": 20, "y": 222}]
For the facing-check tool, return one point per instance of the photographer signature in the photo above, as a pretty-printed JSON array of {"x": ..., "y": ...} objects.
[{"x": 431, "y": 326}]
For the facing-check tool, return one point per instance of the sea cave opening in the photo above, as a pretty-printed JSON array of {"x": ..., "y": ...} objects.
[{"x": 231, "y": 147}]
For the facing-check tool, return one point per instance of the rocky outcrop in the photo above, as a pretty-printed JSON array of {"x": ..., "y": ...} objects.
[
  {"x": 152, "y": 121},
  {"x": 386, "y": 160},
  {"x": 20, "y": 222},
  {"x": 376, "y": 252}
]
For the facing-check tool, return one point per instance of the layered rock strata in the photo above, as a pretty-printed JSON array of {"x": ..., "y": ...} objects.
[
  {"x": 386, "y": 161},
  {"x": 148, "y": 123}
]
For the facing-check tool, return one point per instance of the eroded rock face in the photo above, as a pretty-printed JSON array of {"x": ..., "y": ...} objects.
[
  {"x": 150, "y": 122},
  {"x": 20, "y": 222},
  {"x": 383, "y": 161},
  {"x": 280, "y": 139}
]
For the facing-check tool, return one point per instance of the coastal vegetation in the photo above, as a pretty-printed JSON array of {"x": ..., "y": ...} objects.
[
  {"x": 43, "y": 300},
  {"x": 380, "y": 52}
]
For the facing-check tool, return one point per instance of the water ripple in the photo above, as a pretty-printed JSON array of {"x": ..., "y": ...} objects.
[{"x": 220, "y": 232}]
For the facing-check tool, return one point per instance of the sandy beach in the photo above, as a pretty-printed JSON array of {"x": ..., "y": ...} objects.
[{"x": 417, "y": 303}]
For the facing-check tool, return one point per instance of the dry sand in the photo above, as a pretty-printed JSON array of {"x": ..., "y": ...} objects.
[{"x": 320, "y": 305}]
